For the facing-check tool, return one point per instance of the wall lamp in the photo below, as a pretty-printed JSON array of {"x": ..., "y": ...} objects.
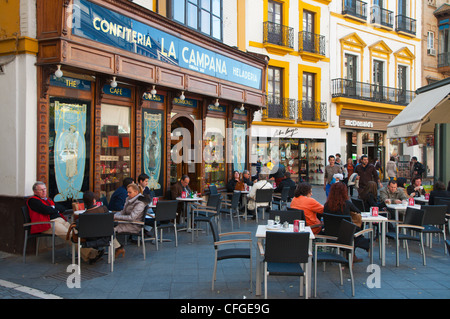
[
  {"x": 113, "y": 82},
  {"x": 58, "y": 72},
  {"x": 242, "y": 107},
  {"x": 182, "y": 97},
  {"x": 217, "y": 103}
]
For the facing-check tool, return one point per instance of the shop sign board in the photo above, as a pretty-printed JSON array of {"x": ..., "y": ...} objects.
[{"x": 99, "y": 24}]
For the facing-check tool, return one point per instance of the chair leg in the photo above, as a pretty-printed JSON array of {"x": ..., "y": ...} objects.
[
  {"x": 215, "y": 271},
  {"x": 143, "y": 241},
  {"x": 350, "y": 267},
  {"x": 176, "y": 236},
  {"x": 315, "y": 272},
  {"x": 423, "y": 250},
  {"x": 231, "y": 219},
  {"x": 156, "y": 236},
  {"x": 265, "y": 280},
  {"x": 25, "y": 246}
]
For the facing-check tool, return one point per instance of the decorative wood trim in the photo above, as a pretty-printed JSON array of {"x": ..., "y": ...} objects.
[{"x": 100, "y": 82}]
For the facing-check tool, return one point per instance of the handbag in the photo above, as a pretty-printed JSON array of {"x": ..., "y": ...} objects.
[
  {"x": 356, "y": 219},
  {"x": 240, "y": 186}
]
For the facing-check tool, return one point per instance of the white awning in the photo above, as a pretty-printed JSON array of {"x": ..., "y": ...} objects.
[{"x": 421, "y": 115}]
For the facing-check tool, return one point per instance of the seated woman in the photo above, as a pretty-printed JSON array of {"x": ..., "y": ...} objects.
[
  {"x": 303, "y": 200},
  {"x": 438, "y": 191},
  {"x": 370, "y": 196},
  {"x": 338, "y": 203},
  {"x": 415, "y": 189},
  {"x": 133, "y": 210}
]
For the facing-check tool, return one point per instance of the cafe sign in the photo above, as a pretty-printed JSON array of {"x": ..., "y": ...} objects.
[
  {"x": 99, "y": 24},
  {"x": 356, "y": 123}
]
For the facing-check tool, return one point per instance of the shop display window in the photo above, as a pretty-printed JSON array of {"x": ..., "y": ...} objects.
[
  {"x": 317, "y": 161},
  {"x": 115, "y": 158},
  {"x": 214, "y": 152}
]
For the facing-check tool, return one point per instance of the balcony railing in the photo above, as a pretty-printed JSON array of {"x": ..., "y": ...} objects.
[
  {"x": 370, "y": 92},
  {"x": 279, "y": 108},
  {"x": 310, "y": 42},
  {"x": 278, "y": 34},
  {"x": 382, "y": 17},
  {"x": 405, "y": 24},
  {"x": 444, "y": 60},
  {"x": 312, "y": 111},
  {"x": 355, "y": 8}
]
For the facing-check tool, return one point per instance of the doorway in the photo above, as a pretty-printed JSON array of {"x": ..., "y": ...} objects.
[{"x": 182, "y": 153}]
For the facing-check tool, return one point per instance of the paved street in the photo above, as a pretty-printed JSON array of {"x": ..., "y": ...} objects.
[{"x": 185, "y": 272}]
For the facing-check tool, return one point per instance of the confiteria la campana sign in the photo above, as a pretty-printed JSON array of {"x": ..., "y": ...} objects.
[{"x": 97, "y": 23}]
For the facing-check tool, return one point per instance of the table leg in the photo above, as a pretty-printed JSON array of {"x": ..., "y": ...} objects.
[
  {"x": 383, "y": 243},
  {"x": 258, "y": 270}
]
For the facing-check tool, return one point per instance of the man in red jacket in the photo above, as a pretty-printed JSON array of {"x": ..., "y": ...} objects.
[{"x": 43, "y": 209}]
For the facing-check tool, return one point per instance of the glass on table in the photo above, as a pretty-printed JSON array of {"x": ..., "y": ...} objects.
[{"x": 277, "y": 219}]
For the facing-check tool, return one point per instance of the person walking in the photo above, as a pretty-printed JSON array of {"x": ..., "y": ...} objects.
[
  {"x": 330, "y": 170},
  {"x": 366, "y": 172},
  {"x": 391, "y": 169},
  {"x": 349, "y": 169}
]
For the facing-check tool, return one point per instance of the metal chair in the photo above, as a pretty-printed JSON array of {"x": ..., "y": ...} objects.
[
  {"x": 413, "y": 221},
  {"x": 344, "y": 240},
  {"x": 165, "y": 217},
  {"x": 230, "y": 253},
  {"x": 283, "y": 255},
  {"x": 92, "y": 227},
  {"x": 139, "y": 233},
  {"x": 359, "y": 203},
  {"x": 233, "y": 208},
  {"x": 282, "y": 200},
  {"x": 27, "y": 227},
  {"x": 434, "y": 217},
  {"x": 263, "y": 199},
  {"x": 204, "y": 213}
]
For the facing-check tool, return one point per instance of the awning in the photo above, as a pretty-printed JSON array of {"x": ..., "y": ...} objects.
[{"x": 420, "y": 116}]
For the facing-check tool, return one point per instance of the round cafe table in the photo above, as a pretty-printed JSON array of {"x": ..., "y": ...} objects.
[{"x": 186, "y": 201}]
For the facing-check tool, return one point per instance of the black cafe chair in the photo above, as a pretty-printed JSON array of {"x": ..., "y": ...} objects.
[
  {"x": 434, "y": 221},
  {"x": 27, "y": 227},
  {"x": 263, "y": 199},
  {"x": 98, "y": 231},
  {"x": 284, "y": 255},
  {"x": 359, "y": 203},
  {"x": 165, "y": 217},
  {"x": 287, "y": 215},
  {"x": 282, "y": 200}
]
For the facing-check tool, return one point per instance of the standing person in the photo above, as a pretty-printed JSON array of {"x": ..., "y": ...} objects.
[
  {"x": 330, "y": 170},
  {"x": 119, "y": 197},
  {"x": 391, "y": 168},
  {"x": 303, "y": 200},
  {"x": 377, "y": 165},
  {"x": 338, "y": 159},
  {"x": 350, "y": 170},
  {"x": 366, "y": 172},
  {"x": 417, "y": 168},
  {"x": 43, "y": 209}
]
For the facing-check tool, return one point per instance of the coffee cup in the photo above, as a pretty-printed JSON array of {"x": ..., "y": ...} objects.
[{"x": 270, "y": 222}]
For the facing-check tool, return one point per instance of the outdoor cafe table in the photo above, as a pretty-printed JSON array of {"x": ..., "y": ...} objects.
[
  {"x": 186, "y": 201},
  {"x": 368, "y": 218},
  {"x": 421, "y": 200},
  {"x": 261, "y": 236},
  {"x": 400, "y": 208}
]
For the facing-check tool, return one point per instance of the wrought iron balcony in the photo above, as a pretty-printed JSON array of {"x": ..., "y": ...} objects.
[
  {"x": 444, "y": 60},
  {"x": 312, "y": 111},
  {"x": 405, "y": 24},
  {"x": 370, "y": 92},
  {"x": 355, "y": 8},
  {"x": 279, "y": 108},
  {"x": 278, "y": 34},
  {"x": 310, "y": 42},
  {"x": 382, "y": 17}
]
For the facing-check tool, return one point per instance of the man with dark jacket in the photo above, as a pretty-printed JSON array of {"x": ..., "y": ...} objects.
[
  {"x": 417, "y": 168},
  {"x": 119, "y": 197},
  {"x": 366, "y": 173},
  {"x": 286, "y": 182}
]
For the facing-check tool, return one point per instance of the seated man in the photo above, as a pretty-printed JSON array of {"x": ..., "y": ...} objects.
[
  {"x": 285, "y": 182},
  {"x": 43, "y": 209},
  {"x": 175, "y": 191},
  {"x": 247, "y": 179},
  {"x": 143, "y": 184},
  {"x": 119, "y": 197},
  {"x": 415, "y": 189},
  {"x": 391, "y": 194}
]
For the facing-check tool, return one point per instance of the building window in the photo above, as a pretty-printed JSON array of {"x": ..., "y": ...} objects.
[
  {"x": 204, "y": 16},
  {"x": 378, "y": 77},
  {"x": 275, "y": 92},
  {"x": 308, "y": 102}
]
